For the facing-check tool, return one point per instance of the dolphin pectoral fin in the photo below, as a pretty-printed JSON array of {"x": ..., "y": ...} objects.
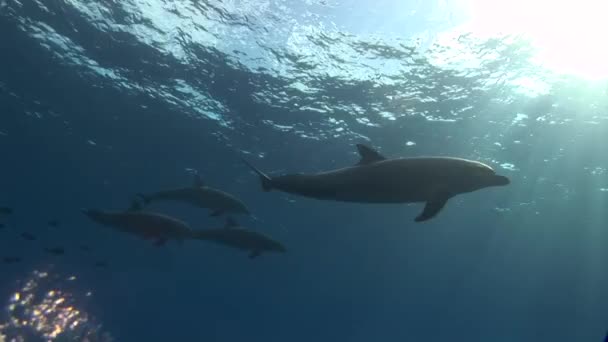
[
  {"x": 160, "y": 242},
  {"x": 216, "y": 213},
  {"x": 230, "y": 223},
  {"x": 198, "y": 181},
  {"x": 431, "y": 209},
  {"x": 368, "y": 155},
  {"x": 254, "y": 254}
]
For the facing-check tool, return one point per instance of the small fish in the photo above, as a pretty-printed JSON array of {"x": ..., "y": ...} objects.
[
  {"x": 6, "y": 211},
  {"x": 54, "y": 223},
  {"x": 55, "y": 250},
  {"x": 28, "y": 236},
  {"x": 100, "y": 264},
  {"x": 11, "y": 260}
]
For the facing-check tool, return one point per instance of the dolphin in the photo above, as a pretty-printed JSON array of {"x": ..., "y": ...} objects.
[
  {"x": 233, "y": 235},
  {"x": 146, "y": 225},
  {"x": 377, "y": 179},
  {"x": 201, "y": 196}
]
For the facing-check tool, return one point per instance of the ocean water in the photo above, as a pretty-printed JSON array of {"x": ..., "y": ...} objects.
[{"x": 101, "y": 100}]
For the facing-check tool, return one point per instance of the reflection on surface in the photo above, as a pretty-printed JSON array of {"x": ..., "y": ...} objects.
[{"x": 43, "y": 309}]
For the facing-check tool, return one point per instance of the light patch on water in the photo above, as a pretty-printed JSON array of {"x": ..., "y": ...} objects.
[
  {"x": 313, "y": 109},
  {"x": 388, "y": 115},
  {"x": 91, "y": 142},
  {"x": 43, "y": 307},
  {"x": 303, "y": 88},
  {"x": 197, "y": 101},
  {"x": 530, "y": 86},
  {"x": 283, "y": 128},
  {"x": 437, "y": 119},
  {"x": 604, "y": 189},
  {"x": 596, "y": 171},
  {"x": 519, "y": 117},
  {"x": 410, "y": 143},
  {"x": 509, "y": 166}
]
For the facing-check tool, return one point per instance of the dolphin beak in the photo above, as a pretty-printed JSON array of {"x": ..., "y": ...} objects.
[{"x": 501, "y": 180}]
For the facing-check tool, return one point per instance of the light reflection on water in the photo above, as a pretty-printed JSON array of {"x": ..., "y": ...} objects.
[{"x": 44, "y": 309}]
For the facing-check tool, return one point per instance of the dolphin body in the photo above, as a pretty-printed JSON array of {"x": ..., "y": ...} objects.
[
  {"x": 235, "y": 236},
  {"x": 376, "y": 179},
  {"x": 146, "y": 225},
  {"x": 200, "y": 195}
]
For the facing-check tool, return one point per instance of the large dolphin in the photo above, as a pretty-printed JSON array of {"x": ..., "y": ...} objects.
[
  {"x": 147, "y": 225},
  {"x": 376, "y": 179},
  {"x": 200, "y": 195},
  {"x": 235, "y": 236}
]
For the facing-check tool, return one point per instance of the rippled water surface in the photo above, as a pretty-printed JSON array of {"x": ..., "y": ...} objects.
[{"x": 101, "y": 100}]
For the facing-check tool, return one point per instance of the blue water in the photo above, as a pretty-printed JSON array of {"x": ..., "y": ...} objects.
[{"x": 100, "y": 100}]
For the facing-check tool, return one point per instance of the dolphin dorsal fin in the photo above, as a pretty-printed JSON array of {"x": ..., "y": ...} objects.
[
  {"x": 135, "y": 206},
  {"x": 230, "y": 223},
  {"x": 198, "y": 181},
  {"x": 368, "y": 155}
]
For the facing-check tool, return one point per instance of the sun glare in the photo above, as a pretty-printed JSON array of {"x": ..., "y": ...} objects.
[{"x": 568, "y": 35}]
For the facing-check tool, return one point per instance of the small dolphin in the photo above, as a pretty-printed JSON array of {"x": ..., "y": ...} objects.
[
  {"x": 233, "y": 235},
  {"x": 54, "y": 223},
  {"x": 28, "y": 236},
  {"x": 376, "y": 179},
  {"x": 55, "y": 250},
  {"x": 200, "y": 195},
  {"x": 146, "y": 225},
  {"x": 11, "y": 260}
]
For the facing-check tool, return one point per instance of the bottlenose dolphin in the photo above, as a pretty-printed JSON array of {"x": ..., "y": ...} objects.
[
  {"x": 376, "y": 179},
  {"x": 233, "y": 235},
  {"x": 201, "y": 196},
  {"x": 146, "y": 225}
]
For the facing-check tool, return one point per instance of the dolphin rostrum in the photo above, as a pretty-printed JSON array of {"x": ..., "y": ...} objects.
[
  {"x": 233, "y": 235},
  {"x": 200, "y": 195},
  {"x": 146, "y": 225},
  {"x": 376, "y": 179}
]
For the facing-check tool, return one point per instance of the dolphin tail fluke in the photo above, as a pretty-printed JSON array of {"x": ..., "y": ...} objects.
[{"x": 264, "y": 178}]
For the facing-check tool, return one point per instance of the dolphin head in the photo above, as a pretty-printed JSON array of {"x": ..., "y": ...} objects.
[
  {"x": 277, "y": 247},
  {"x": 483, "y": 176},
  {"x": 98, "y": 216}
]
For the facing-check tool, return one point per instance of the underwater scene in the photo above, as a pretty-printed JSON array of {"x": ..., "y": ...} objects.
[{"x": 303, "y": 170}]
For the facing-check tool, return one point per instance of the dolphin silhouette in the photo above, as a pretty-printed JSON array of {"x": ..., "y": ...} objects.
[
  {"x": 146, "y": 225},
  {"x": 200, "y": 195},
  {"x": 233, "y": 235},
  {"x": 376, "y": 179}
]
